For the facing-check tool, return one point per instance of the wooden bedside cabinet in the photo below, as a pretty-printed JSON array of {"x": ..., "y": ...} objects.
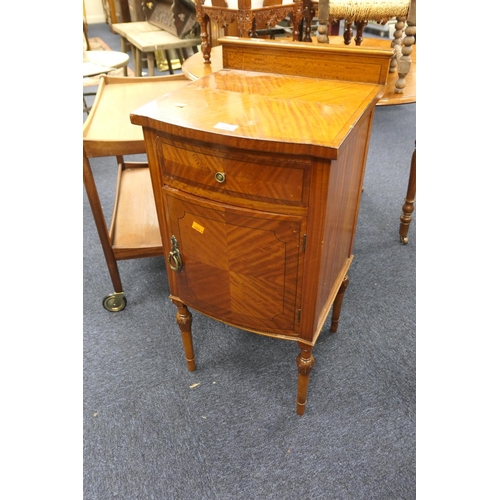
[{"x": 257, "y": 180}]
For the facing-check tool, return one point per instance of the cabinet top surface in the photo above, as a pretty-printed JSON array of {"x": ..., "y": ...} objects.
[{"x": 313, "y": 115}]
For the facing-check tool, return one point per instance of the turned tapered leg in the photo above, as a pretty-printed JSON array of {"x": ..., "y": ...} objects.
[
  {"x": 347, "y": 32},
  {"x": 360, "y": 26},
  {"x": 409, "y": 204},
  {"x": 337, "y": 305},
  {"x": 206, "y": 35},
  {"x": 184, "y": 320},
  {"x": 305, "y": 362}
]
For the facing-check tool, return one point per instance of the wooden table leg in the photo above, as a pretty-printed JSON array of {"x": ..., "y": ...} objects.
[
  {"x": 180, "y": 55},
  {"x": 137, "y": 56},
  {"x": 409, "y": 204},
  {"x": 169, "y": 62},
  {"x": 184, "y": 320},
  {"x": 123, "y": 43},
  {"x": 337, "y": 305},
  {"x": 206, "y": 38},
  {"x": 151, "y": 63},
  {"x": 305, "y": 363}
]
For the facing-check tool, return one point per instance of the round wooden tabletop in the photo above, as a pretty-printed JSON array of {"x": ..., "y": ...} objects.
[{"x": 195, "y": 67}]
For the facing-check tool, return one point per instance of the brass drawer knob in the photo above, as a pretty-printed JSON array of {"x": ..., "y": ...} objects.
[{"x": 220, "y": 177}]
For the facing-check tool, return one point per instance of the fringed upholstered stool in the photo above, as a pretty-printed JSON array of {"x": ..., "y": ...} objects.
[{"x": 359, "y": 12}]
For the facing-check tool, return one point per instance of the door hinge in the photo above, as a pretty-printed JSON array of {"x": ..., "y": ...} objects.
[
  {"x": 304, "y": 238},
  {"x": 298, "y": 316}
]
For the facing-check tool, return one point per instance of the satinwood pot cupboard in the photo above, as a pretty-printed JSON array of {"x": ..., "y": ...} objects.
[{"x": 257, "y": 173}]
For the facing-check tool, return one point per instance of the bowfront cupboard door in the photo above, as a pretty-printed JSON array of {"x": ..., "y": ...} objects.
[{"x": 239, "y": 265}]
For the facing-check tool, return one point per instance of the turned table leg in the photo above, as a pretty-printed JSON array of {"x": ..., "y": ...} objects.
[
  {"x": 409, "y": 204},
  {"x": 337, "y": 304},
  {"x": 206, "y": 37},
  {"x": 184, "y": 320},
  {"x": 305, "y": 362}
]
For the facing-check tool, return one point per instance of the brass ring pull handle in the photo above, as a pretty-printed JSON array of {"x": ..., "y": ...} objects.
[
  {"x": 174, "y": 257},
  {"x": 175, "y": 261},
  {"x": 220, "y": 177}
]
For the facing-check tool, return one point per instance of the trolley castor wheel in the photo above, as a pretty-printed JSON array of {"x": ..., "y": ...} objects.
[{"x": 114, "y": 302}]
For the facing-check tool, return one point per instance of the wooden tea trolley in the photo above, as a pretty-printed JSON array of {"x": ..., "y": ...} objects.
[
  {"x": 133, "y": 229},
  {"x": 257, "y": 178}
]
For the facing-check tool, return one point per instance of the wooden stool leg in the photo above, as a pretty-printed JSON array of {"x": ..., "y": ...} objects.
[
  {"x": 360, "y": 27},
  {"x": 396, "y": 43},
  {"x": 404, "y": 62},
  {"x": 347, "y": 32},
  {"x": 184, "y": 319},
  {"x": 337, "y": 305},
  {"x": 409, "y": 204},
  {"x": 305, "y": 363}
]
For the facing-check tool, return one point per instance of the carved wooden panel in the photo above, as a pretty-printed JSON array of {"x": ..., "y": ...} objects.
[
  {"x": 177, "y": 17},
  {"x": 240, "y": 266}
]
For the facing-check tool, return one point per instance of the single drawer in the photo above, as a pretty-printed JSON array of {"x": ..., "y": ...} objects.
[{"x": 222, "y": 174}]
